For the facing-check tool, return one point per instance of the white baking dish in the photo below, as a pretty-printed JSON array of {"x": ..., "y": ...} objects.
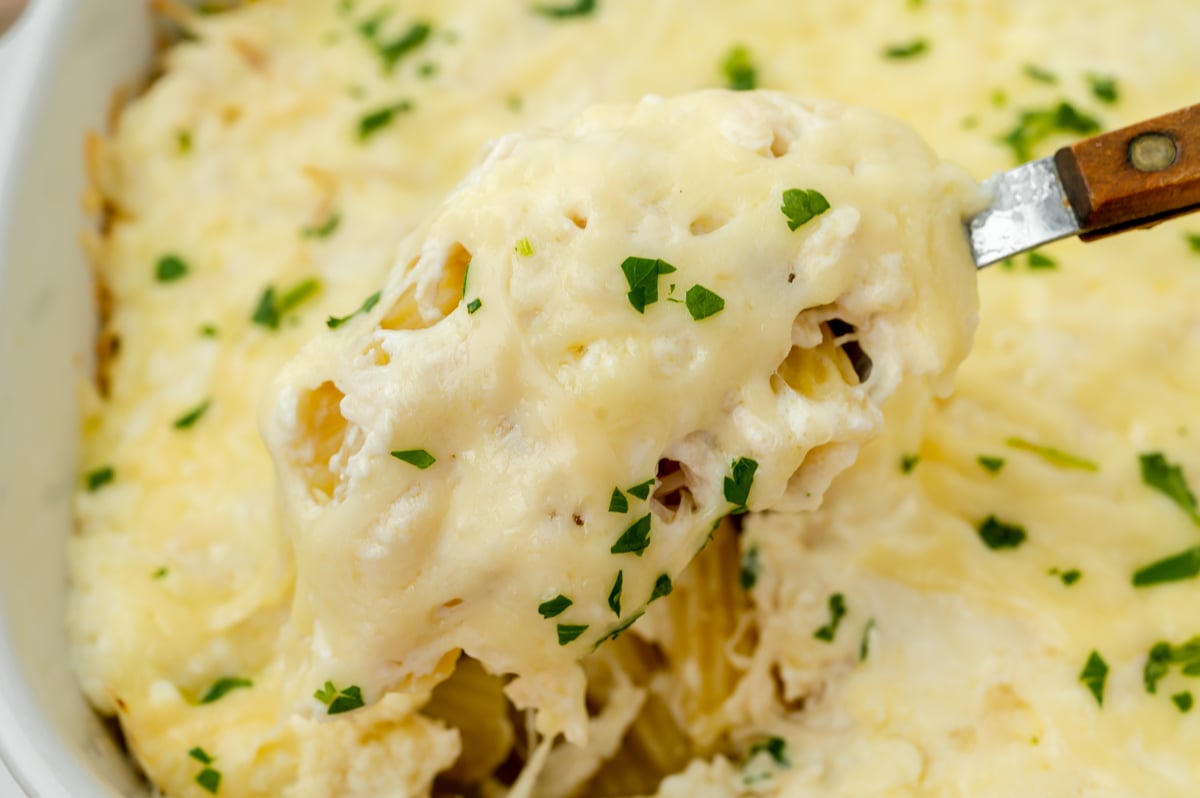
[{"x": 73, "y": 55}]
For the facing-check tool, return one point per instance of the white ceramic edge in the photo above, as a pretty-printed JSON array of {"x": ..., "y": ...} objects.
[{"x": 37, "y": 41}]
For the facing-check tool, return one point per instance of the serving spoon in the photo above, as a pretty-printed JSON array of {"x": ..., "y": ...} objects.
[{"x": 1130, "y": 178}]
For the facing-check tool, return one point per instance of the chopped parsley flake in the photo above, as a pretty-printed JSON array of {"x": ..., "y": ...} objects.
[
  {"x": 642, "y": 276},
  {"x": 614, "y": 595},
  {"x": 739, "y": 483},
  {"x": 1158, "y": 664},
  {"x": 740, "y": 74},
  {"x": 1168, "y": 479},
  {"x": 800, "y": 206},
  {"x": 161, "y": 573},
  {"x": 554, "y": 607},
  {"x": 339, "y": 701},
  {"x": 1038, "y": 124},
  {"x": 864, "y": 648},
  {"x": 908, "y": 462},
  {"x": 1038, "y": 261},
  {"x": 183, "y": 141},
  {"x": 209, "y": 780},
  {"x": 271, "y": 309},
  {"x": 222, "y": 687},
  {"x": 524, "y": 248},
  {"x": 580, "y": 8},
  {"x": 749, "y": 567},
  {"x": 1094, "y": 675},
  {"x": 1193, "y": 240},
  {"x": 618, "y": 503},
  {"x": 1176, "y": 568},
  {"x": 1051, "y": 455},
  {"x": 641, "y": 490},
  {"x": 702, "y": 303},
  {"x": 427, "y": 70},
  {"x": 1068, "y": 577},
  {"x": 474, "y": 305},
  {"x": 200, "y": 755},
  {"x": 837, "y": 611},
  {"x": 1182, "y": 701},
  {"x": 635, "y": 539},
  {"x": 662, "y": 587},
  {"x": 99, "y": 477},
  {"x": 1034, "y": 72},
  {"x": 325, "y": 229},
  {"x": 393, "y": 51},
  {"x": 998, "y": 535},
  {"x": 170, "y": 268},
  {"x": 775, "y": 747},
  {"x": 568, "y": 633},
  {"x": 906, "y": 49},
  {"x": 417, "y": 457},
  {"x": 209, "y": 331},
  {"x": 333, "y": 322},
  {"x": 619, "y": 629},
  {"x": 189, "y": 418},
  {"x": 1104, "y": 88},
  {"x": 377, "y": 120},
  {"x": 990, "y": 464}
]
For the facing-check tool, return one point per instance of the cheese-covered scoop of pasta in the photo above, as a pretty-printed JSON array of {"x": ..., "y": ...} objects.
[{"x": 610, "y": 336}]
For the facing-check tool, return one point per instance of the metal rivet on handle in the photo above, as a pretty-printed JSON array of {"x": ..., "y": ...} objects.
[{"x": 1152, "y": 152}]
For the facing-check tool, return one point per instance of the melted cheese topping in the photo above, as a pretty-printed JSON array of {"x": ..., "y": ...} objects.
[
  {"x": 182, "y": 573},
  {"x": 554, "y": 391}
]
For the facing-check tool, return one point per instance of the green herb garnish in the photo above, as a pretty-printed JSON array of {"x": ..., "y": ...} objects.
[
  {"x": 1038, "y": 261},
  {"x": 739, "y": 483},
  {"x": 1038, "y": 124},
  {"x": 581, "y": 8},
  {"x": 635, "y": 539},
  {"x": 568, "y": 633},
  {"x": 377, "y": 120},
  {"x": 662, "y": 587},
  {"x": 740, "y": 74},
  {"x": 906, "y": 50},
  {"x": 702, "y": 303},
  {"x": 1158, "y": 663},
  {"x": 618, "y": 503},
  {"x": 200, "y": 755},
  {"x": 208, "y": 331},
  {"x": 160, "y": 573},
  {"x": 183, "y": 141},
  {"x": 524, "y": 248},
  {"x": 1094, "y": 674},
  {"x": 837, "y": 611},
  {"x": 864, "y": 648},
  {"x": 99, "y": 477},
  {"x": 775, "y": 747},
  {"x": 192, "y": 416},
  {"x": 748, "y": 569},
  {"x": 990, "y": 464},
  {"x": 339, "y": 701},
  {"x": 554, "y": 607},
  {"x": 1182, "y": 701},
  {"x": 333, "y": 322},
  {"x": 1168, "y": 479},
  {"x": 393, "y": 51},
  {"x": 474, "y": 305},
  {"x": 620, "y": 628},
  {"x": 1176, "y": 568},
  {"x": 271, "y": 309},
  {"x": 614, "y": 595},
  {"x": 170, "y": 268},
  {"x": 1034, "y": 72},
  {"x": 908, "y": 462},
  {"x": 1068, "y": 577},
  {"x": 642, "y": 489},
  {"x": 1104, "y": 88},
  {"x": 642, "y": 276},
  {"x": 1193, "y": 240},
  {"x": 998, "y": 535},
  {"x": 801, "y": 206},
  {"x": 222, "y": 687},
  {"x": 1051, "y": 455},
  {"x": 209, "y": 780},
  {"x": 417, "y": 457},
  {"x": 325, "y": 229}
]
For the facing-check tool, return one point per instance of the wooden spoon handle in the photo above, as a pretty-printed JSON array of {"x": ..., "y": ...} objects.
[{"x": 1137, "y": 176}]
